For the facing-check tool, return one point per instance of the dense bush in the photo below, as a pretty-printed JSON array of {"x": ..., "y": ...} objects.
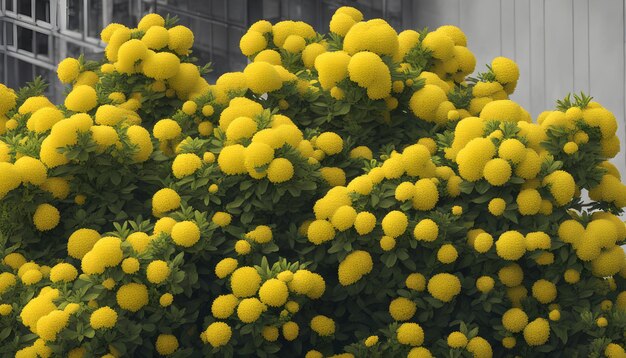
[{"x": 350, "y": 194}]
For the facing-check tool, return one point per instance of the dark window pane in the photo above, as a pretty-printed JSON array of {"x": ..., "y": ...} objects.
[
  {"x": 43, "y": 47},
  {"x": 121, "y": 13},
  {"x": 9, "y": 5},
  {"x": 218, "y": 9},
  {"x": 201, "y": 7},
  {"x": 42, "y": 10},
  {"x": 24, "y": 7},
  {"x": 237, "y": 12},
  {"x": 24, "y": 39},
  {"x": 95, "y": 18},
  {"x": 75, "y": 15},
  {"x": 9, "y": 28}
]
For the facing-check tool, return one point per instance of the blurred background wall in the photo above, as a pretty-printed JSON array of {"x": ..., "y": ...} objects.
[{"x": 560, "y": 45}]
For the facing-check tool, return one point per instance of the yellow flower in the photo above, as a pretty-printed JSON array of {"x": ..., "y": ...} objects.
[
  {"x": 165, "y": 200},
  {"x": 331, "y": 143},
  {"x": 161, "y": 65},
  {"x": 262, "y": 234},
  {"x": 270, "y": 333},
  {"x": 374, "y": 35},
  {"x": 157, "y": 271},
  {"x": 394, "y": 223},
  {"x": 82, "y": 98},
  {"x": 444, "y": 286},
  {"x": 294, "y": 44},
  {"x": 141, "y": 138},
  {"x": 447, "y": 254},
  {"x": 496, "y": 206},
  {"x": 10, "y": 179},
  {"x": 250, "y": 309},
  {"x": 320, "y": 231},
  {"x": 166, "y": 129},
  {"x": 5, "y": 309},
  {"x": 614, "y": 350},
  {"x": 426, "y": 195},
  {"x": 245, "y": 281},
  {"x": 218, "y": 334},
  {"x": 537, "y": 332},
  {"x": 185, "y": 233},
  {"x": 528, "y": 202},
  {"x": 224, "y": 306},
  {"x": 561, "y": 185},
  {"x": 457, "y": 340},
  {"x": 323, "y": 325},
  {"x": 331, "y": 67},
  {"x": 221, "y": 219},
  {"x": 515, "y": 320},
  {"x": 262, "y": 77},
  {"x": 14, "y": 260},
  {"x": 252, "y": 42},
  {"x": 46, "y": 217},
  {"x": 402, "y": 309},
  {"x": 371, "y": 341},
  {"x": 537, "y": 241},
  {"x": 31, "y": 277},
  {"x": 369, "y": 71},
  {"x": 81, "y": 241},
  {"x": 63, "y": 272},
  {"x": 554, "y": 315},
  {"x": 180, "y": 39},
  {"x": 156, "y": 37},
  {"x": 231, "y": 160},
  {"x": 570, "y": 148},
  {"x": 485, "y": 284},
  {"x": 130, "y": 265},
  {"x": 132, "y": 296},
  {"x": 103, "y": 317},
  {"x": 186, "y": 164},
  {"x": 50, "y": 325},
  {"x": 340, "y": 23},
  {"x": 511, "y": 245},
  {"x": 497, "y": 172},
  {"x": 344, "y": 217},
  {"x": 410, "y": 334},
  {"x": 291, "y": 330},
  {"x": 269, "y": 56},
  {"x": 425, "y": 102},
  {"x": 310, "y": 53},
  {"x": 166, "y": 344},
  {"x": 274, "y": 292},
  {"x": 426, "y": 230},
  {"x": 333, "y": 176},
  {"x": 441, "y": 45},
  {"x": 416, "y": 281},
  {"x": 280, "y": 170},
  {"x": 506, "y": 70},
  {"x": 364, "y": 222},
  {"x": 31, "y": 170},
  {"x": 354, "y": 267},
  {"x": 68, "y": 70}
]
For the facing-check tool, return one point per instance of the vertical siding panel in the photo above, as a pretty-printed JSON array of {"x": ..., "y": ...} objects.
[
  {"x": 433, "y": 14},
  {"x": 537, "y": 56},
  {"x": 559, "y": 49},
  {"x": 481, "y": 22},
  {"x": 606, "y": 48},
  {"x": 581, "y": 45},
  {"x": 507, "y": 25},
  {"x": 522, "y": 53}
]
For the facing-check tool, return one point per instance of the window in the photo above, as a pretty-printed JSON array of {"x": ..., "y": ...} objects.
[
  {"x": 9, "y": 5},
  {"x": 42, "y": 10},
  {"x": 74, "y": 19},
  {"x": 24, "y": 7},
  {"x": 24, "y": 39},
  {"x": 42, "y": 44},
  {"x": 95, "y": 18}
]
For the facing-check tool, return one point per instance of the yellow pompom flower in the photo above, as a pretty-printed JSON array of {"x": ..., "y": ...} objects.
[
  {"x": 185, "y": 233},
  {"x": 31, "y": 277},
  {"x": 132, "y": 296},
  {"x": 387, "y": 243},
  {"x": 68, "y": 70},
  {"x": 402, "y": 309},
  {"x": 166, "y": 129},
  {"x": 141, "y": 138},
  {"x": 394, "y": 223},
  {"x": 374, "y": 35},
  {"x": 290, "y": 330},
  {"x": 50, "y": 325},
  {"x": 262, "y": 77},
  {"x": 130, "y": 265},
  {"x": 344, "y": 217},
  {"x": 252, "y": 42},
  {"x": 156, "y": 37},
  {"x": 426, "y": 195},
  {"x": 320, "y": 231},
  {"x": 245, "y": 282},
  {"x": 514, "y": 320},
  {"x": 10, "y": 178},
  {"x": 231, "y": 160},
  {"x": 341, "y": 23},
  {"x": 323, "y": 325},
  {"x": 294, "y": 44},
  {"x": 46, "y": 217},
  {"x": 331, "y": 67},
  {"x": 310, "y": 53},
  {"x": 528, "y": 202},
  {"x": 180, "y": 39},
  {"x": 165, "y": 200},
  {"x": 537, "y": 332},
  {"x": 269, "y": 56},
  {"x": 410, "y": 334},
  {"x": 161, "y": 65},
  {"x": 561, "y": 185},
  {"x": 81, "y": 99},
  {"x": 485, "y": 284},
  {"x": 5, "y": 309},
  {"x": 444, "y": 286},
  {"x": 497, "y": 172},
  {"x": 570, "y": 148},
  {"x": 511, "y": 245},
  {"x": 425, "y": 102},
  {"x": 157, "y": 271},
  {"x": 426, "y": 230},
  {"x": 506, "y": 70},
  {"x": 274, "y": 292},
  {"x": 221, "y": 219},
  {"x": 224, "y": 306},
  {"x": 81, "y": 241},
  {"x": 262, "y": 234},
  {"x": 369, "y": 71},
  {"x": 364, "y": 222},
  {"x": 166, "y": 344},
  {"x": 371, "y": 341},
  {"x": 457, "y": 340},
  {"x": 249, "y": 310},
  {"x": 104, "y": 317},
  {"x": 447, "y": 254},
  {"x": 63, "y": 272},
  {"x": 331, "y": 143},
  {"x": 218, "y": 334},
  {"x": 225, "y": 267},
  {"x": 496, "y": 206},
  {"x": 280, "y": 170},
  {"x": 14, "y": 260},
  {"x": 186, "y": 164},
  {"x": 354, "y": 267},
  {"x": 31, "y": 170}
]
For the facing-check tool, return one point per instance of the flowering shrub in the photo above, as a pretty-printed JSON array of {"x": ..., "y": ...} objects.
[{"x": 351, "y": 194}]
